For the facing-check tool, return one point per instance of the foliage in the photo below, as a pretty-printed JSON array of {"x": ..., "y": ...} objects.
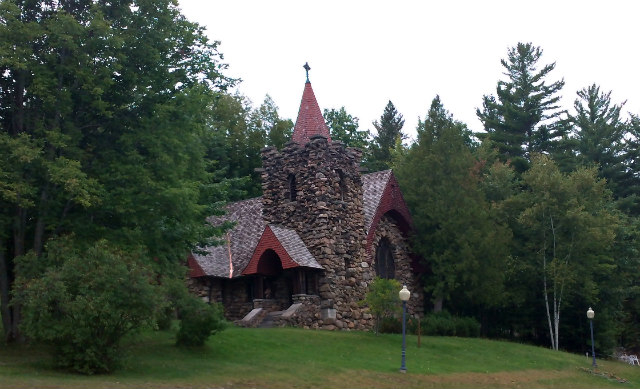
[
  {"x": 389, "y": 135},
  {"x": 344, "y": 128},
  {"x": 103, "y": 108},
  {"x": 601, "y": 138},
  {"x": 382, "y": 298},
  {"x": 444, "y": 324},
  {"x": 235, "y": 136},
  {"x": 519, "y": 118},
  {"x": 198, "y": 321},
  {"x": 568, "y": 231},
  {"x": 265, "y": 119},
  {"x": 83, "y": 302},
  {"x": 455, "y": 229}
]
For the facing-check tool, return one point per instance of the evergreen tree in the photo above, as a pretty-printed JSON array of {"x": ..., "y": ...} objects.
[
  {"x": 456, "y": 233},
  {"x": 600, "y": 136},
  {"x": 389, "y": 130},
  {"x": 519, "y": 119}
]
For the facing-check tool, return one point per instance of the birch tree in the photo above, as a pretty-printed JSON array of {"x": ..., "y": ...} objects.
[{"x": 569, "y": 233}]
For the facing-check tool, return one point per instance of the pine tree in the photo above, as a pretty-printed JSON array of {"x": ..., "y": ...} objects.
[
  {"x": 599, "y": 135},
  {"x": 519, "y": 119},
  {"x": 389, "y": 131}
]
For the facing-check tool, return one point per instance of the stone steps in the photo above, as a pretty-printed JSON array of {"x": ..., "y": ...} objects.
[{"x": 268, "y": 320}]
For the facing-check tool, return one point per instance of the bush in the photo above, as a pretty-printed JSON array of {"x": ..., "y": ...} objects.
[
  {"x": 467, "y": 327},
  {"x": 444, "y": 324},
  {"x": 198, "y": 321},
  {"x": 382, "y": 299},
  {"x": 83, "y": 302},
  {"x": 439, "y": 324}
]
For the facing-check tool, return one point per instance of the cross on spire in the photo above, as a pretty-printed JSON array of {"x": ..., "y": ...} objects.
[{"x": 307, "y": 68}]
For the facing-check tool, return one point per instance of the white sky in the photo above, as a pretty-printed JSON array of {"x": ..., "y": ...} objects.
[{"x": 364, "y": 53}]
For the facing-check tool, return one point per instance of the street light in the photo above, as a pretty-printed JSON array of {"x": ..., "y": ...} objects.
[
  {"x": 404, "y": 296},
  {"x": 590, "y": 315}
]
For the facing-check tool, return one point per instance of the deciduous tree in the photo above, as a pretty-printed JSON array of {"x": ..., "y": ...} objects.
[
  {"x": 103, "y": 108},
  {"x": 344, "y": 127},
  {"x": 568, "y": 234}
]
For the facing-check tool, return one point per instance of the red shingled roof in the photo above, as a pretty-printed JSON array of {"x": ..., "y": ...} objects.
[{"x": 310, "y": 121}]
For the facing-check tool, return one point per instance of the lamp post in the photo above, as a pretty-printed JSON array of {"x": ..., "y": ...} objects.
[
  {"x": 590, "y": 315},
  {"x": 404, "y": 296}
]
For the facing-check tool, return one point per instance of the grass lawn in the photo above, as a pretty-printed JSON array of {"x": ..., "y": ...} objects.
[{"x": 294, "y": 358}]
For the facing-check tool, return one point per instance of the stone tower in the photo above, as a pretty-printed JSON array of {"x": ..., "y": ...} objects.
[{"x": 314, "y": 186}]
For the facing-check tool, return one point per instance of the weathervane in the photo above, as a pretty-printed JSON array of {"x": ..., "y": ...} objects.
[{"x": 307, "y": 68}]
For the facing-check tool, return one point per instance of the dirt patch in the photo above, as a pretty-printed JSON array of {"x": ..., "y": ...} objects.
[{"x": 515, "y": 379}]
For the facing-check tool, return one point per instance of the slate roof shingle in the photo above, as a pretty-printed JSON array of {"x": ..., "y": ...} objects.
[
  {"x": 241, "y": 241},
  {"x": 294, "y": 246},
  {"x": 373, "y": 185}
]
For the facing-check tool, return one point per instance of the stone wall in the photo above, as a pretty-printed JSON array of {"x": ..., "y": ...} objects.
[
  {"x": 327, "y": 212},
  {"x": 232, "y": 293},
  {"x": 388, "y": 228},
  {"x": 306, "y": 315}
]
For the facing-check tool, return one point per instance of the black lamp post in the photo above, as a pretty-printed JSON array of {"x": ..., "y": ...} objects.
[
  {"x": 404, "y": 296},
  {"x": 590, "y": 315}
]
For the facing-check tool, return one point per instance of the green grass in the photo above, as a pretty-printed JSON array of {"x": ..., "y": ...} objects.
[{"x": 286, "y": 357}]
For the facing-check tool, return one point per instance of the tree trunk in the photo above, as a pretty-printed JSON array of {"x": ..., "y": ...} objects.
[{"x": 17, "y": 117}]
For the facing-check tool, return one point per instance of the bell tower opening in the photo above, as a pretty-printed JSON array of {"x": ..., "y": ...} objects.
[{"x": 291, "y": 185}]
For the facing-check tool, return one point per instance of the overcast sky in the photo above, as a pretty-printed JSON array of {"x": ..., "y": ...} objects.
[{"x": 364, "y": 53}]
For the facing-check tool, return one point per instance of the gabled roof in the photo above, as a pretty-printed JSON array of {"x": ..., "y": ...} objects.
[
  {"x": 251, "y": 237},
  {"x": 287, "y": 244},
  {"x": 310, "y": 121},
  {"x": 373, "y": 185},
  {"x": 383, "y": 197},
  {"x": 229, "y": 259}
]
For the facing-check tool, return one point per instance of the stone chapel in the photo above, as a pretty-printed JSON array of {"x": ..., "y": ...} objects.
[{"x": 305, "y": 252}]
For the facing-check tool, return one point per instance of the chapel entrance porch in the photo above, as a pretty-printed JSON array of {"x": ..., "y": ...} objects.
[{"x": 273, "y": 288}]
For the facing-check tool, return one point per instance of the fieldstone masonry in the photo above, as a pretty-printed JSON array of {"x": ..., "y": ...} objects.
[
  {"x": 313, "y": 190},
  {"x": 327, "y": 212}
]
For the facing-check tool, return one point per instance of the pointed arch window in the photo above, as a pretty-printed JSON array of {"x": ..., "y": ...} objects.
[
  {"x": 291, "y": 186},
  {"x": 385, "y": 265}
]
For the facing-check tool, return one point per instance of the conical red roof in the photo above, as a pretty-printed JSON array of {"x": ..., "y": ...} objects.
[{"x": 310, "y": 121}]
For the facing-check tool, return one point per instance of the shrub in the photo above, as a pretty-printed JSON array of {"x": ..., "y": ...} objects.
[
  {"x": 467, "y": 327},
  {"x": 439, "y": 324},
  {"x": 444, "y": 324},
  {"x": 198, "y": 321},
  {"x": 382, "y": 299},
  {"x": 82, "y": 302}
]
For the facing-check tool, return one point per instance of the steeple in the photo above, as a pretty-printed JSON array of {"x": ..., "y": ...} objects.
[{"x": 310, "y": 121}]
